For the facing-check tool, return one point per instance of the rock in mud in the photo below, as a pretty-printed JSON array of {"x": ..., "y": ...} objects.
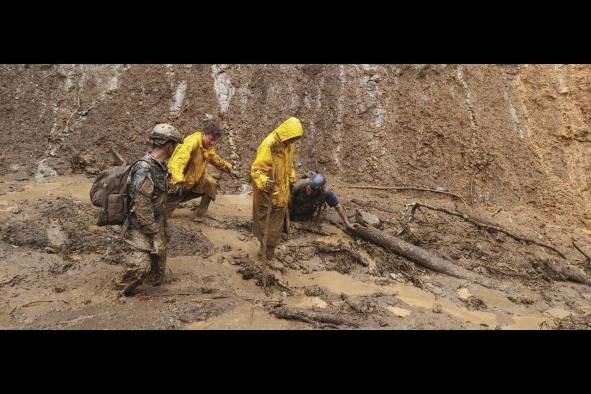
[
  {"x": 400, "y": 312},
  {"x": 368, "y": 219},
  {"x": 464, "y": 294}
]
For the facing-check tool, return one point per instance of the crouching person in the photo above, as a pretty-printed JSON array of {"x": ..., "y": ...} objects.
[
  {"x": 146, "y": 225},
  {"x": 309, "y": 197},
  {"x": 187, "y": 167}
]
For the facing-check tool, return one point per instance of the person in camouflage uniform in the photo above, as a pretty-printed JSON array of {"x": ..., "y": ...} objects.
[{"x": 147, "y": 225}]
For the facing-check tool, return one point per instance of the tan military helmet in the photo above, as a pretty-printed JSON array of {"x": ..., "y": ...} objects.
[{"x": 163, "y": 132}]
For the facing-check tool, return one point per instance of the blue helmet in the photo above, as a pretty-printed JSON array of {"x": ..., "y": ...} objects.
[{"x": 317, "y": 181}]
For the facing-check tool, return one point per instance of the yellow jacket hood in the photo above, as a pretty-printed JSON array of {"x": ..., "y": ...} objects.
[{"x": 291, "y": 128}]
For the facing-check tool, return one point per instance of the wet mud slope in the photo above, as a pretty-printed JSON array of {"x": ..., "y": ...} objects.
[{"x": 57, "y": 268}]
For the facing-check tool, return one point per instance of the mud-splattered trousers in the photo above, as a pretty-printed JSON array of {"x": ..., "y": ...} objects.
[
  {"x": 187, "y": 167},
  {"x": 147, "y": 232}
]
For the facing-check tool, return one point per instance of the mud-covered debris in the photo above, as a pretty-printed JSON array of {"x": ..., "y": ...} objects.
[
  {"x": 315, "y": 291},
  {"x": 251, "y": 270},
  {"x": 363, "y": 306},
  {"x": 188, "y": 243},
  {"x": 311, "y": 317},
  {"x": 520, "y": 300},
  {"x": 475, "y": 303},
  {"x": 574, "y": 322},
  {"x": 60, "y": 267},
  {"x": 16, "y": 279}
]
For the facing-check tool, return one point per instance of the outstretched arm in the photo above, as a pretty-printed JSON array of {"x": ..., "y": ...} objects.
[
  {"x": 333, "y": 201},
  {"x": 341, "y": 211},
  {"x": 219, "y": 163}
]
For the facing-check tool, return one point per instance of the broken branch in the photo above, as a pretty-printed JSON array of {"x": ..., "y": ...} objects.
[
  {"x": 588, "y": 259},
  {"x": 35, "y": 302},
  {"x": 118, "y": 156},
  {"x": 283, "y": 312},
  {"x": 423, "y": 189},
  {"x": 480, "y": 225}
]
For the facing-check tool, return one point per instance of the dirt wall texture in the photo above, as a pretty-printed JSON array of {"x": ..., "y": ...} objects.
[{"x": 496, "y": 134}]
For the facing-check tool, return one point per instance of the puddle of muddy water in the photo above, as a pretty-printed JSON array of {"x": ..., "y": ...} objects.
[
  {"x": 231, "y": 205},
  {"x": 338, "y": 283},
  {"x": 62, "y": 186}
]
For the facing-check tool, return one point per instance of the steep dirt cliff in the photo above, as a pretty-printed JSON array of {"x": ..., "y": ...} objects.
[{"x": 504, "y": 134}]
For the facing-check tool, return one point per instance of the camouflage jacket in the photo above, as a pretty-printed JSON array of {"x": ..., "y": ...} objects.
[{"x": 148, "y": 185}]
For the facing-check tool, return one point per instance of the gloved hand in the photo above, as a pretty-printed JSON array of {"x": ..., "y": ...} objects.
[{"x": 158, "y": 245}]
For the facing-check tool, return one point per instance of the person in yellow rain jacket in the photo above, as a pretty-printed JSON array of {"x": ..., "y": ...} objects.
[
  {"x": 273, "y": 174},
  {"x": 187, "y": 166}
]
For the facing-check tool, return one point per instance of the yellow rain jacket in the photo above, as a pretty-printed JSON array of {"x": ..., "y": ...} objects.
[
  {"x": 274, "y": 154},
  {"x": 189, "y": 160}
]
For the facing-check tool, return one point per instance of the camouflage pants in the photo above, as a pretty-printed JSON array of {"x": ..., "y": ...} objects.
[{"x": 140, "y": 264}]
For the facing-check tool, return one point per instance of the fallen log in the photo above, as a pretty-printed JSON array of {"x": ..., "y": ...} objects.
[
  {"x": 283, "y": 312},
  {"x": 416, "y": 205},
  {"x": 412, "y": 252}
]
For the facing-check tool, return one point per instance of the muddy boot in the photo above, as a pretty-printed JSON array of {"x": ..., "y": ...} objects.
[
  {"x": 127, "y": 291},
  {"x": 155, "y": 281},
  {"x": 202, "y": 208},
  {"x": 270, "y": 252}
]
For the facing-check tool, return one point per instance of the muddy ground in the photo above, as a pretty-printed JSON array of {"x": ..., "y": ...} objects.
[{"x": 57, "y": 268}]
